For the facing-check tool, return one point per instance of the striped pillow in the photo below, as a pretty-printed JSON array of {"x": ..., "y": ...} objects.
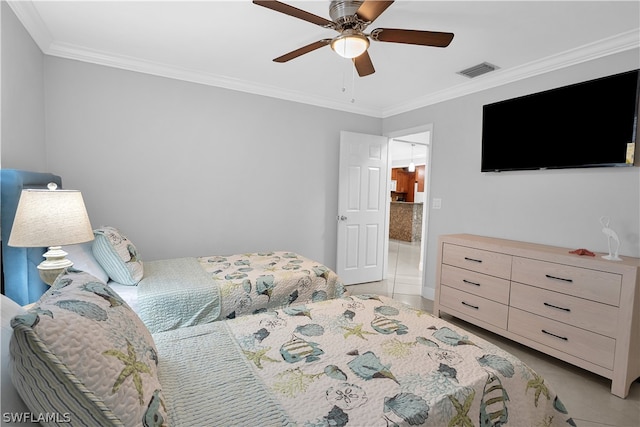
[
  {"x": 117, "y": 255},
  {"x": 82, "y": 356}
]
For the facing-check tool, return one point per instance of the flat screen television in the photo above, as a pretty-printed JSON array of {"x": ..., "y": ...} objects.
[{"x": 589, "y": 124}]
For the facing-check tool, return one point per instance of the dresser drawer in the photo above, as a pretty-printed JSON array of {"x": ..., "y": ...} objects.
[
  {"x": 483, "y": 285},
  {"x": 577, "y": 342},
  {"x": 580, "y": 282},
  {"x": 585, "y": 314},
  {"x": 474, "y": 306},
  {"x": 492, "y": 263}
]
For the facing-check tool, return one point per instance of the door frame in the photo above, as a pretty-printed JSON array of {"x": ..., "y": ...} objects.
[{"x": 425, "y": 207}]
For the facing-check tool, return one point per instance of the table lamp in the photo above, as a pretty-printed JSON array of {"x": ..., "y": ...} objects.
[{"x": 50, "y": 218}]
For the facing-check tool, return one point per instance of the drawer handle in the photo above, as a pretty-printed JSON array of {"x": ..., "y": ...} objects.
[
  {"x": 472, "y": 259},
  {"x": 470, "y": 283},
  {"x": 556, "y": 307},
  {"x": 558, "y": 278},
  {"x": 554, "y": 335},
  {"x": 472, "y": 306}
]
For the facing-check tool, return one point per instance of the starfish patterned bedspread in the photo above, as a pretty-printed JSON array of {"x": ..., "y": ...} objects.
[
  {"x": 189, "y": 291},
  {"x": 355, "y": 361}
]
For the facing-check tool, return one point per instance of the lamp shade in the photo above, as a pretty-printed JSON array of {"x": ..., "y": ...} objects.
[
  {"x": 50, "y": 218},
  {"x": 350, "y": 44}
]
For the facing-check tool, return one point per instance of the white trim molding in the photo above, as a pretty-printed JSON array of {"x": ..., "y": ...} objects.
[{"x": 29, "y": 17}]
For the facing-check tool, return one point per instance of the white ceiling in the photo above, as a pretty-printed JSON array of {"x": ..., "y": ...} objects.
[
  {"x": 231, "y": 44},
  {"x": 409, "y": 148}
]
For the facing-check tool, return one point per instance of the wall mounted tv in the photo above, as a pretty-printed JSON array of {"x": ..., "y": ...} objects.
[{"x": 589, "y": 124}]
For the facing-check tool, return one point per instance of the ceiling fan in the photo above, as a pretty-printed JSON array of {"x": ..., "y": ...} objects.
[{"x": 350, "y": 18}]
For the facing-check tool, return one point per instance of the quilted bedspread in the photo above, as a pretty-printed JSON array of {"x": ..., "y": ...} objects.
[
  {"x": 189, "y": 291},
  {"x": 357, "y": 361}
]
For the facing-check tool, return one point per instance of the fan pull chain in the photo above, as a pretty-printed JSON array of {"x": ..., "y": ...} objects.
[
  {"x": 344, "y": 86},
  {"x": 353, "y": 84},
  {"x": 353, "y": 81}
]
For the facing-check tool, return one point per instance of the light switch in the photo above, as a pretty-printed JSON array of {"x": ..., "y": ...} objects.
[{"x": 436, "y": 203}]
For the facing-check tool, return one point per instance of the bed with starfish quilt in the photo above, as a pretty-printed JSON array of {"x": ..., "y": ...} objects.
[
  {"x": 188, "y": 291},
  {"x": 82, "y": 353},
  {"x": 362, "y": 360}
]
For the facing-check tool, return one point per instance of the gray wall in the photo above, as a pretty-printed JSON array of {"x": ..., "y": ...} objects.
[
  {"x": 185, "y": 169},
  {"x": 555, "y": 207},
  {"x": 23, "y": 130}
]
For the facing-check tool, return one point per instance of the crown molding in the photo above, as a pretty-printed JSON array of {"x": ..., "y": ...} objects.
[
  {"x": 68, "y": 51},
  {"x": 609, "y": 46},
  {"x": 35, "y": 26},
  {"x": 31, "y": 20}
]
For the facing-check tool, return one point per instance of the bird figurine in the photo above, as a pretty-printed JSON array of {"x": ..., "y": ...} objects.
[{"x": 611, "y": 236}]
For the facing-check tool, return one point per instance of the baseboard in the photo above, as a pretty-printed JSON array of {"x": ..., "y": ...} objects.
[{"x": 429, "y": 293}]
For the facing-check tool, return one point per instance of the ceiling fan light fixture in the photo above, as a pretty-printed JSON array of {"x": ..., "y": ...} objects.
[
  {"x": 351, "y": 18},
  {"x": 350, "y": 44}
]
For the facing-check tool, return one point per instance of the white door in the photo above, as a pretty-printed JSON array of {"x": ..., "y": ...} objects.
[{"x": 362, "y": 207}]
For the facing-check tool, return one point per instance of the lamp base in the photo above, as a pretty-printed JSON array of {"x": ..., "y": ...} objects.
[{"x": 54, "y": 264}]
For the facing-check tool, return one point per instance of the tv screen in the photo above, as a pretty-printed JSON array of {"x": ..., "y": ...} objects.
[{"x": 588, "y": 124}]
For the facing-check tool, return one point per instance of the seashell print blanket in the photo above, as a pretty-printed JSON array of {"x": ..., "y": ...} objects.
[
  {"x": 362, "y": 360},
  {"x": 181, "y": 292}
]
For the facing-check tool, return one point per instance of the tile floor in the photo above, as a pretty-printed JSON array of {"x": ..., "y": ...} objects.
[
  {"x": 403, "y": 276},
  {"x": 586, "y": 395}
]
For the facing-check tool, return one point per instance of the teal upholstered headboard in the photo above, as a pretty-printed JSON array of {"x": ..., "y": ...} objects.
[{"x": 21, "y": 280}]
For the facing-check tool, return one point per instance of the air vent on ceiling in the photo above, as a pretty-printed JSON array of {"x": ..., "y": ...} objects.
[{"x": 478, "y": 70}]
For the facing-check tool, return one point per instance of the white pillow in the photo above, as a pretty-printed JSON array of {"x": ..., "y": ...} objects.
[
  {"x": 10, "y": 400},
  {"x": 82, "y": 257}
]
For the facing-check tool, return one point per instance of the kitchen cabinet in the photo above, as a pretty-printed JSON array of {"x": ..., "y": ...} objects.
[
  {"x": 404, "y": 183},
  {"x": 420, "y": 178}
]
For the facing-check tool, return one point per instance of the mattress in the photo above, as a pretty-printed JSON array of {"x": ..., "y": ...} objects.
[
  {"x": 358, "y": 360},
  {"x": 183, "y": 292}
]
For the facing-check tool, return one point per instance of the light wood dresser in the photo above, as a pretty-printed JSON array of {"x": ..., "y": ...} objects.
[{"x": 582, "y": 309}]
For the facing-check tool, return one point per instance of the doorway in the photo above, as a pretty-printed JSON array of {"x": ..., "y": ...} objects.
[{"x": 409, "y": 154}]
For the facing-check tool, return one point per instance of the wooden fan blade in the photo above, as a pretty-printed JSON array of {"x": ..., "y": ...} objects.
[
  {"x": 371, "y": 9},
  {"x": 424, "y": 38},
  {"x": 295, "y": 12},
  {"x": 301, "y": 51},
  {"x": 363, "y": 64}
]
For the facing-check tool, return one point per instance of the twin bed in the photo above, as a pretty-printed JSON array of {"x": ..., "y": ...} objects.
[
  {"x": 251, "y": 339},
  {"x": 361, "y": 360},
  {"x": 172, "y": 293},
  {"x": 182, "y": 292}
]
